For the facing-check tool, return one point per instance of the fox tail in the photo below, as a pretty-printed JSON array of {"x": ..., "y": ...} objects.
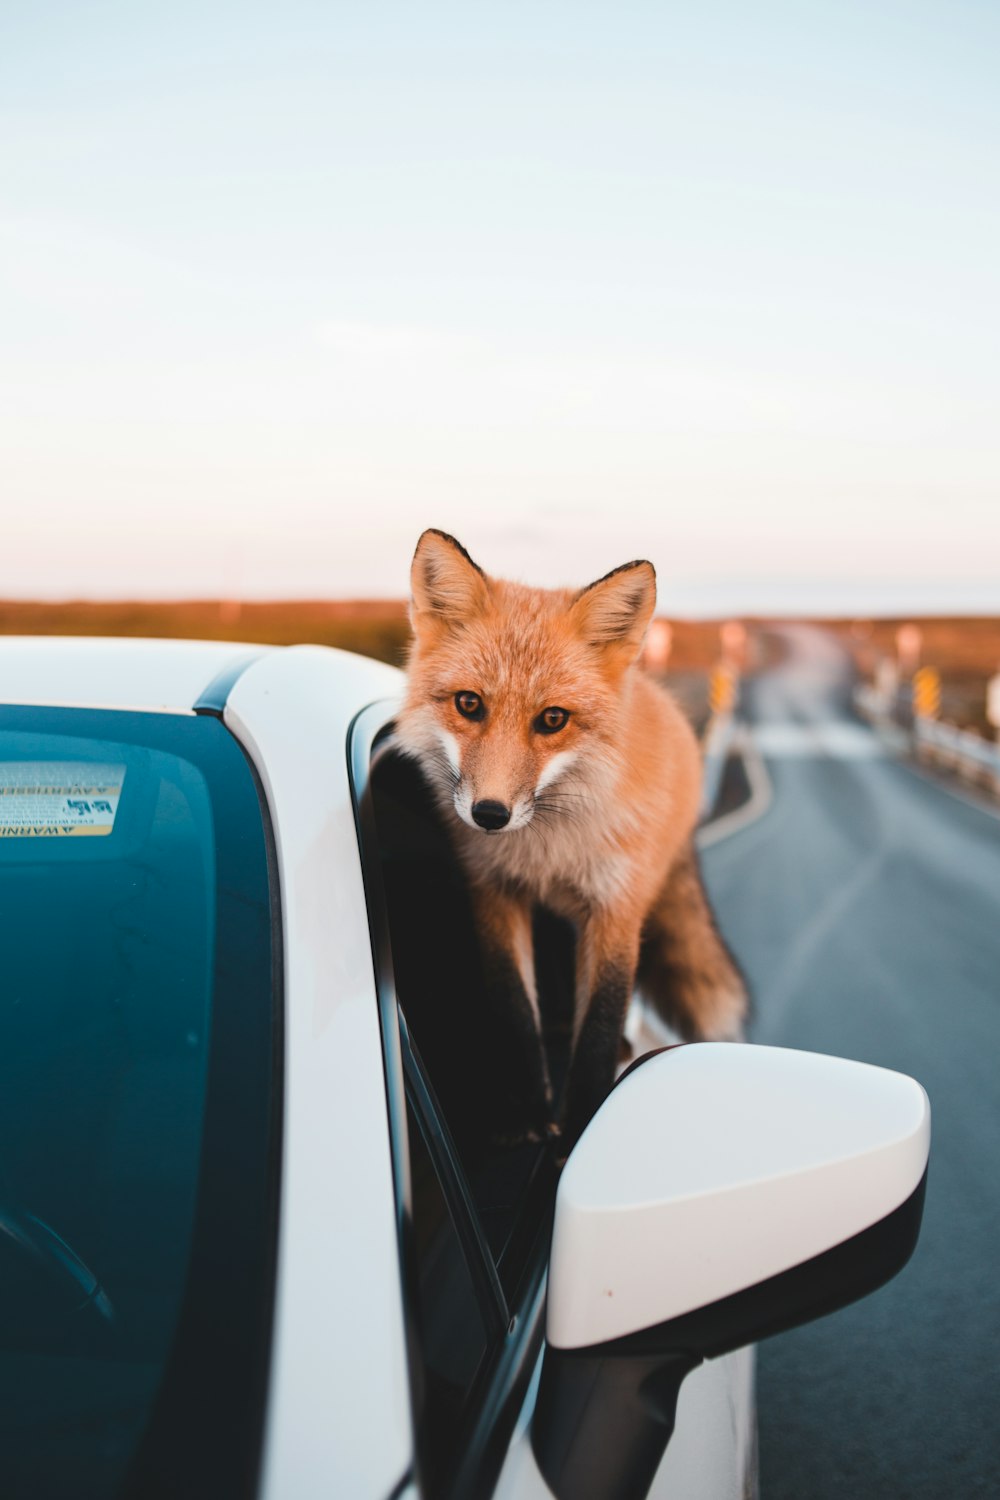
[{"x": 686, "y": 972}]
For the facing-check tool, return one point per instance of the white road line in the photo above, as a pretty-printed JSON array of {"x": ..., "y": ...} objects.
[
  {"x": 761, "y": 795},
  {"x": 830, "y": 738}
]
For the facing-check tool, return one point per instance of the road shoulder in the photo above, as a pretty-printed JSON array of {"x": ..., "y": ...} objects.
[{"x": 756, "y": 805}]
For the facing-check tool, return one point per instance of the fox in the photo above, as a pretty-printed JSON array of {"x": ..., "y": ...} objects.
[{"x": 568, "y": 779}]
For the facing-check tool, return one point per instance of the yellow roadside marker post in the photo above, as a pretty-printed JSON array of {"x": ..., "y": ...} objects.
[
  {"x": 724, "y": 682},
  {"x": 927, "y": 705},
  {"x": 722, "y": 688},
  {"x": 927, "y": 692}
]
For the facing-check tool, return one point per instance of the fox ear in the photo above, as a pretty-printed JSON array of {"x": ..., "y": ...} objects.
[
  {"x": 613, "y": 613},
  {"x": 446, "y": 585}
]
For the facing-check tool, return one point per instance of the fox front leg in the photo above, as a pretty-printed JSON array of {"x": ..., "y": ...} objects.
[
  {"x": 607, "y": 955},
  {"x": 517, "y": 1096}
]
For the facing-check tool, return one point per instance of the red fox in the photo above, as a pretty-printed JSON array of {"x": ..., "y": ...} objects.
[{"x": 570, "y": 780}]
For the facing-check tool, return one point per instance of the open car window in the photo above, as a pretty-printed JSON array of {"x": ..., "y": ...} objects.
[
  {"x": 474, "y": 1213},
  {"x": 439, "y": 985}
]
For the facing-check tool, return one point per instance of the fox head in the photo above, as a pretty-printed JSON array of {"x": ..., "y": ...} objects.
[{"x": 516, "y": 696}]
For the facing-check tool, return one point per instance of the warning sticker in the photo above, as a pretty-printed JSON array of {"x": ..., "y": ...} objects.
[{"x": 58, "y": 799}]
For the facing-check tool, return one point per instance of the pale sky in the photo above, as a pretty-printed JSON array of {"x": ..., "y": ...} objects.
[{"x": 714, "y": 284}]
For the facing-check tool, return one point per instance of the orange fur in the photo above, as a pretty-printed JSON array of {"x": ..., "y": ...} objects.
[{"x": 601, "y": 812}]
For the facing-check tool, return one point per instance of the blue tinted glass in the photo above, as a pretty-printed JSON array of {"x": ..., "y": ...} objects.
[{"x": 114, "y": 960}]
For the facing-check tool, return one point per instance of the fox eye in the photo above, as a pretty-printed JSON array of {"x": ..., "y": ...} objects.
[
  {"x": 470, "y": 705},
  {"x": 551, "y": 720}
]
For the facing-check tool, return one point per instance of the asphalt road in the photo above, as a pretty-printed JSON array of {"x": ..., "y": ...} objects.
[{"x": 864, "y": 906}]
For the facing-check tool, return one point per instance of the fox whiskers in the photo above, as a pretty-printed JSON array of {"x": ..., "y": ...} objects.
[{"x": 561, "y": 807}]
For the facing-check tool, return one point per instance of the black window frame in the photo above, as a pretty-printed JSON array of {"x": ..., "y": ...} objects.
[
  {"x": 514, "y": 1320},
  {"x": 205, "y": 1434}
]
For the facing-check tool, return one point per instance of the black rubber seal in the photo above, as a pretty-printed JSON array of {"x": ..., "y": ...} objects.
[{"x": 213, "y": 697}]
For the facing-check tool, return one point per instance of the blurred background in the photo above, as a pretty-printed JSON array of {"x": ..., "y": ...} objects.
[{"x": 714, "y": 285}]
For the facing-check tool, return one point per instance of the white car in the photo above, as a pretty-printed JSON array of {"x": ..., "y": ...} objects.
[{"x": 254, "y": 1237}]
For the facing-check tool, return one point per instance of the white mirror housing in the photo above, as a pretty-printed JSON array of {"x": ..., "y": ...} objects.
[{"x": 715, "y": 1166}]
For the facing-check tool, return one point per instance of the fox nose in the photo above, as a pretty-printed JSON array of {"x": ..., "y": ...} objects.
[{"x": 491, "y": 815}]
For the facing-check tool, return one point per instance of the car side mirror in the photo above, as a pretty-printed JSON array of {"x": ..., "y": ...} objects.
[{"x": 722, "y": 1193}]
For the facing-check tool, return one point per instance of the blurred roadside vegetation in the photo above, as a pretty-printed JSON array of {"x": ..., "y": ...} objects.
[
  {"x": 372, "y": 627},
  {"x": 966, "y": 652}
]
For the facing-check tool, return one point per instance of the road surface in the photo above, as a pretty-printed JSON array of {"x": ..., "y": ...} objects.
[{"x": 864, "y": 907}]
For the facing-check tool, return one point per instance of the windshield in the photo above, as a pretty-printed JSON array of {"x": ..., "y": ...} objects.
[{"x": 136, "y": 1059}]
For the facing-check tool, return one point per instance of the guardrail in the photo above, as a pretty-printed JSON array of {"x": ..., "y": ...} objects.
[
  {"x": 934, "y": 741},
  {"x": 973, "y": 757}
]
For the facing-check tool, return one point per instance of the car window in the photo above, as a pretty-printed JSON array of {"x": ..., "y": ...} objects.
[
  {"x": 479, "y": 1210},
  {"x": 452, "y": 1328},
  {"x": 134, "y": 886},
  {"x": 439, "y": 983}
]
